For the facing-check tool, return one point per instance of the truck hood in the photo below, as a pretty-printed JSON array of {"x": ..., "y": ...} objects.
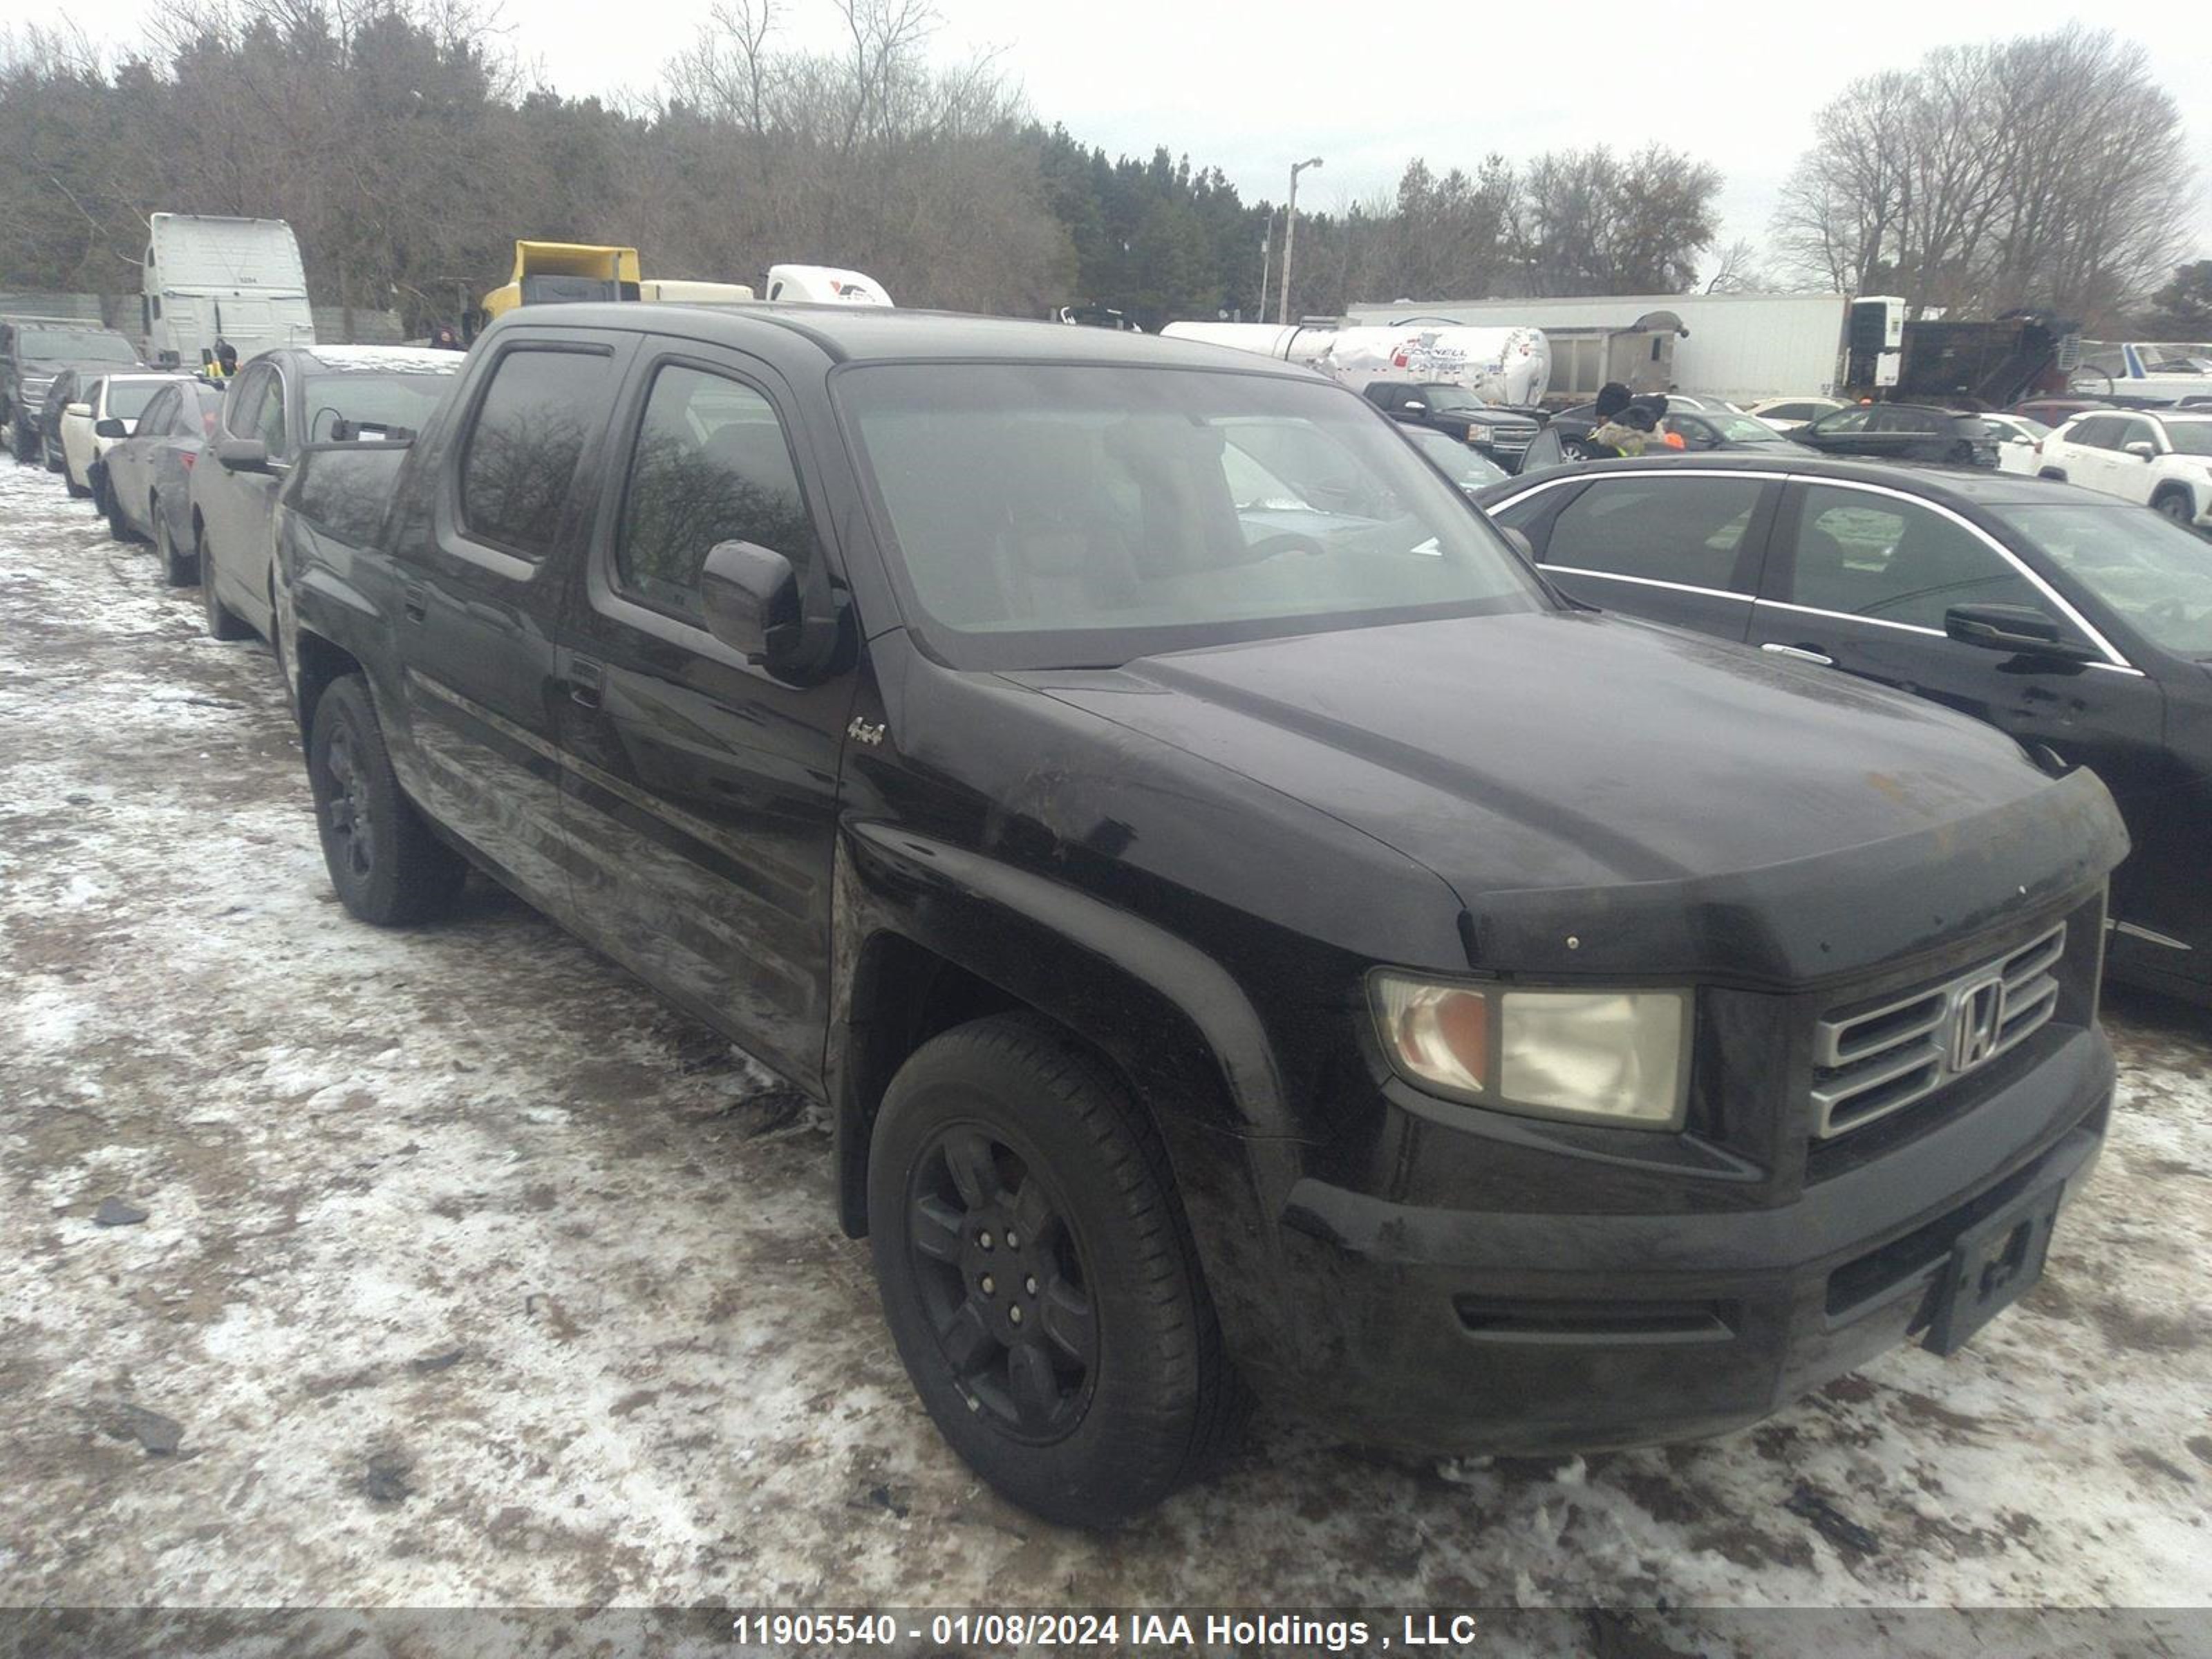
[{"x": 1608, "y": 795}]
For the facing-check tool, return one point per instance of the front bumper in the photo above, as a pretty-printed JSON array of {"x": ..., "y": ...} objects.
[{"x": 1459, "y": 1331}]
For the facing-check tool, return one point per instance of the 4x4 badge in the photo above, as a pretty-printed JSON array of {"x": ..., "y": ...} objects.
[{"x": 866, "y": 732}]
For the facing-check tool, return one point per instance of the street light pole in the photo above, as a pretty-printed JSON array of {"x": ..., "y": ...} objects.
[
  {"x": 1289, "y": 234},
  {"x": 1266, "y": 265}
]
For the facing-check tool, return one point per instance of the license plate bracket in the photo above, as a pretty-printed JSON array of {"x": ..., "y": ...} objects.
[{"x": 1994, "y": 1263}]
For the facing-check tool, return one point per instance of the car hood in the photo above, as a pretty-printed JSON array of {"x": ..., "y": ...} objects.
[{"x": 1610, "y": 795}]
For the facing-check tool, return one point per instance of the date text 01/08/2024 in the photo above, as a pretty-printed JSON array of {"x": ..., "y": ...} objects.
[{"x": 1128, "y": 1631}]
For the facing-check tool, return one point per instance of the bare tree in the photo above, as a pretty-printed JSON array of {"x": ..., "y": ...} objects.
[{"x": 2048, "y": 171}]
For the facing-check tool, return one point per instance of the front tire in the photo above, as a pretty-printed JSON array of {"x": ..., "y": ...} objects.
[
  {"x": 1038, "y": 1277},
  {"x": 2177, "y": 507},
  {"x": 388, "y": 869},
  {"x": 24, "y": 442},
  {"x": 103, "y": 498},
  {"x": 177, "y": 569},
  {"x": 222, "y": 622}
]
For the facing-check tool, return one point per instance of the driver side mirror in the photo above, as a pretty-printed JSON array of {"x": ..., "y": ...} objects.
[
  {"x": 2020, "y": 628},
  {"x": 243, "y": 455},
  {"x": 110, "y": 427},
  {"x": 1413, "y": 406},
  {"x": 2143, "y": 450},
  {"x": 756, "y": 606}
]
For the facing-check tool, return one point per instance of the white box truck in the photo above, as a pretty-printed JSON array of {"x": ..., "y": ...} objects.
[{"x": 209, "y": 278}]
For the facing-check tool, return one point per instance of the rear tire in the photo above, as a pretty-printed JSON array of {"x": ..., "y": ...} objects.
[
  {"x": 22, "y": 441},
  {"x": 1038, "y": 1277},
  {"x": 177, "y": 569},
  {"x": 222, "y": 622},
  {"x": 388, "y": 869}
]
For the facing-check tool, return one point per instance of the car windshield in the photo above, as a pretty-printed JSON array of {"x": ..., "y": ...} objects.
[
  {"x": 127, "y": 399},
  {"x": 76, "y": 345},
  {"x": 1463, "y": 466},
  {"x": 1742, "y": 429},
  {"x": 1075, "y": 515},
  {"x": 2023, "y": 424},
  {"x": 2191, "y": 437},
  {"x": 2151, "y": 571},
  {"x": 370, "y": 404}
]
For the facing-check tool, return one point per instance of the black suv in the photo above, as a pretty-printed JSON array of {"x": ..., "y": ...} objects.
[
  {"x": 1241, "y": 925},
  {"x": 2080, "y": 624},
  {"x": 1503, "y": 434},
  {"x": 1903, "y": 432},
  {"x": 33, "y": 350}
]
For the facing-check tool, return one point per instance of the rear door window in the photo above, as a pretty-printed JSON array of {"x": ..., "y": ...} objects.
[
  {"x": 1857, "y": 554},
  {"x": 1693, "y": 532},
  {"x": 531, "y": 430}
]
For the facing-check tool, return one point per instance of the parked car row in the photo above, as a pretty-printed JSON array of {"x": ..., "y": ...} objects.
[
  {"x": 2080, "y": 625},
  {"x": 1236, "y": 912}
]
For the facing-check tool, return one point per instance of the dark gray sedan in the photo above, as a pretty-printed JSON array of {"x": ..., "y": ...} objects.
[{"x": 148, "y": 494}]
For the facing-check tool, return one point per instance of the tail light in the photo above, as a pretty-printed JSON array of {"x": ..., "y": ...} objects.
[{"x": 189, "y": 457}]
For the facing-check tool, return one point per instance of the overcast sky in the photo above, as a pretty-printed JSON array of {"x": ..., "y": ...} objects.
[{"x": 1252, "y": 88}]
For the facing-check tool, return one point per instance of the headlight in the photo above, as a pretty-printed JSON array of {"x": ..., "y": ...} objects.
[
  {"x": 1613, "y": 1057},
  {"x": 1477, "y": 434}
]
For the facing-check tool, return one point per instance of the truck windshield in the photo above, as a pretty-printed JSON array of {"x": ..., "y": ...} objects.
[
  {"x": 1452, "y": 400},
  {"x": 2149, "y": 569},
  {"x": 76, "y": 345},
  {"x": 1051, "y": 515},
  {"x": 371, "y": 405}
]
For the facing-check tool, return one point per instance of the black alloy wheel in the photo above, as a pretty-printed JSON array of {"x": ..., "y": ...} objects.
[
  {"x": 350, "y": 821},
  {"x": 1001, "y": 1278}
]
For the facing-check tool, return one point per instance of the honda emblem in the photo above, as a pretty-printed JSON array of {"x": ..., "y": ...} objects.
[{"x": 1977, "y": 1020}]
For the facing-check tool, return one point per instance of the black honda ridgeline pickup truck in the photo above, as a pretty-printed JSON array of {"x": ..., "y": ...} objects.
[{"x": 1247, "y": 931}]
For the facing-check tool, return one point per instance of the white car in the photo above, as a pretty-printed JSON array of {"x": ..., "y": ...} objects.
[
  {"x": 2161, "y": 459},
  {"x": 106, "y": 415},
  {"x": 2017, "y": 438},
  {"x": 1788, "y": 414}
]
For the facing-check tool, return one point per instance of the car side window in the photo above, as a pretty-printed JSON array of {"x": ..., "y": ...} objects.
[
  {"x": 2139, "y": 432},
  {"x": 711, "y": 464},
  {"x": 268, "y": 423},
  {"x": 1843, "y": 420},
  {"x": 1862, "y": 554},
  {"x": 528, "y": 439},
  {"x": 161, "y": 413},
  {"x": 241, "y": 414},
  {"x": 2098, "y": 432},
  {"x": 1682, "y": 529}
]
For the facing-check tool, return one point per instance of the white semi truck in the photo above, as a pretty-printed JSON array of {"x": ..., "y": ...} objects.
[
  {"x": 1508, "y": 365},
  {"x": 210, "y": 278}
]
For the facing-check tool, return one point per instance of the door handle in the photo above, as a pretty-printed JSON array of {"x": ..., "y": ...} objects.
[
  {"x": 1799, "y": 653},
  {"x": 586, "y": 679},
  {"x": 415, "y": 599}
]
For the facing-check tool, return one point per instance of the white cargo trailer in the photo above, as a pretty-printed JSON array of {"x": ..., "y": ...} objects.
[
  {"x": 209, "y": 278},
  {"x": 1736, "y": 346},
  {"x": 1499, "y": 365}
]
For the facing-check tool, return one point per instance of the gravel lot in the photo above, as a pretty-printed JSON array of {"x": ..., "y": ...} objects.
[{"x": 469, "y": 1274}]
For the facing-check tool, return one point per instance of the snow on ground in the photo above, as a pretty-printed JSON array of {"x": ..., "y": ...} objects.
[{"x": 473, "y": 1275}]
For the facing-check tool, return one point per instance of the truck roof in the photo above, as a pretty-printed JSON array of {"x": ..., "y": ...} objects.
[{"x": 884, "y": 334}]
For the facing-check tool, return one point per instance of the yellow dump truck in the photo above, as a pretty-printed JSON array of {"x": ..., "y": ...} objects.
[{"x": 565, "y": 270}]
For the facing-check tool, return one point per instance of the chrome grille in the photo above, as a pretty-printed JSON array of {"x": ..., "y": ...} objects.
[{"x": 1866, "y": 1066}]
